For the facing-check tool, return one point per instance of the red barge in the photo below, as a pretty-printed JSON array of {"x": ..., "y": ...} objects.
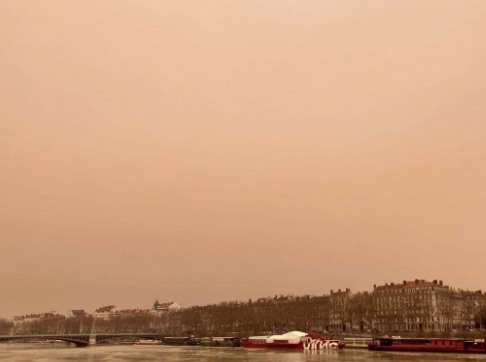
[
  {"x": 292, "y": 340},
  {"x": 456, "y": 345}
]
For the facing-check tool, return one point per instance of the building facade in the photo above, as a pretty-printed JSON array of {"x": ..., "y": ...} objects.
[
  {"x": 468, "y": 308},
  {"x": 339, "y": 318},
  {"x": 424, "y": 306},
  {"x": 73, "y": 313},
  {"x": 410, "y": 306},
  {"x": 158, "y": 308}
]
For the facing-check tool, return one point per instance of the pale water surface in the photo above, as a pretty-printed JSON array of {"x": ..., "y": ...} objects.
[{"x": 37, "y": 352}]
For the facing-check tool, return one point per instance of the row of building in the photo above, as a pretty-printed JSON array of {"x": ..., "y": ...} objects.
[
  {"x": 107, "y": 312},
  {"x": 409, "y": 306}
]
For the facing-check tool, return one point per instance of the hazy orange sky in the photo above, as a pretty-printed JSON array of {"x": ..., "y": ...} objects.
[{"x": 206, "y": 151}]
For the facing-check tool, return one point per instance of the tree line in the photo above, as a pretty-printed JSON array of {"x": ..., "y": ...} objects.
[
  {"x": 266, "y": 315},
  {"x": 272, "y": 315}
]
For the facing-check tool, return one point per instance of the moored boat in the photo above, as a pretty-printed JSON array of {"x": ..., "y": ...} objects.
[
  {"x": 182, "y": 341},
  {"x": 458, "y": 345},
  {"x": 148, "y": 342},
  {"x": 292, "y": 340},
  {"x": 221, "y": 341}
]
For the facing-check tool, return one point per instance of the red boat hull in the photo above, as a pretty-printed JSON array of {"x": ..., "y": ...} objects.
[
  {"x": 315, "y": 344},
  {"x": 248, "y": 344},
  {"x": 428, "y": 345}
]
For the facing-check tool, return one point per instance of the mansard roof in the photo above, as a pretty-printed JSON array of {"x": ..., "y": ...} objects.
[{"x": 411, "y": 284}]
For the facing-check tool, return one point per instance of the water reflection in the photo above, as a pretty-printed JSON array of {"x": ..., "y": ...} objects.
[{"x": 39, "y": 353}]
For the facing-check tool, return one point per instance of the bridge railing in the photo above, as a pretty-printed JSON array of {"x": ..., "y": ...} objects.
[{"x": 357, "y": 342}]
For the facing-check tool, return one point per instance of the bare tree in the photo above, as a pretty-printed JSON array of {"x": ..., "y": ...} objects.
[{"x": 5, "y": 326}]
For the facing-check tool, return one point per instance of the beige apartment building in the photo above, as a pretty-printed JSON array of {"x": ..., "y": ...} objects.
[
  {"x": 422, "y": 306},
  {"x": 350, "y": 312},
  {"x": 339, "y": 310}
]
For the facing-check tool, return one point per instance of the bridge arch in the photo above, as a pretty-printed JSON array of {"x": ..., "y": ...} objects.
[
  {"x": 104, "y": 338},
  {"x": 80, "y": 340}
]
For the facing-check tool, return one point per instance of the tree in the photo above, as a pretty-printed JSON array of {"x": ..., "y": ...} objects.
[{"x": 5, "y": 326}]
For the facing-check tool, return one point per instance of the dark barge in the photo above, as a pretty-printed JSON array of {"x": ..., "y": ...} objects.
[{"x": 456, "y": 345}]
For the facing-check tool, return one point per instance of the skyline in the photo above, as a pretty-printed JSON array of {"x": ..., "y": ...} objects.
[
  {"x": 227, "y": 150},
  {"x": 150, "y": 306}
]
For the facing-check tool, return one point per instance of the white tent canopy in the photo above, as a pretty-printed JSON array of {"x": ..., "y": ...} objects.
[{"x": 293, "y": 336}]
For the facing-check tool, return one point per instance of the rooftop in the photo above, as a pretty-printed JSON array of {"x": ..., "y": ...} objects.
[{"x": 411, "y": 284}]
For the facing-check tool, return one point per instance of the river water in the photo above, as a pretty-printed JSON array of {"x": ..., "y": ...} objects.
[{"x": 23, "y": 352}]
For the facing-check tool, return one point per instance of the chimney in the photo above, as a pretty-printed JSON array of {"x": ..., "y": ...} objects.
[
  {"x": 374, "y": 286},
  {"x": 404, "y": 282},
  {"x": 416, "y": 281},
  {"x": 440, "y": 282}
]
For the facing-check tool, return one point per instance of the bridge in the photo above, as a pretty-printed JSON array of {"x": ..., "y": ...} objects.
[{"x": 80, "y": 340}]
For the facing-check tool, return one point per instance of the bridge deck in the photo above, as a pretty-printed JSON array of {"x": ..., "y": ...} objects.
[{"x": 80, "y": 340}]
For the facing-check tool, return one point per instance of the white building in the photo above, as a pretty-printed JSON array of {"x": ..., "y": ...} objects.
[{"x": 165, "y": 307}]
